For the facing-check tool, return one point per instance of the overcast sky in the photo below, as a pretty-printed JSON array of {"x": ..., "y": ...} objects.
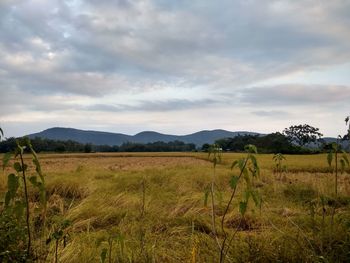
[{"x": 174, "y": 66}]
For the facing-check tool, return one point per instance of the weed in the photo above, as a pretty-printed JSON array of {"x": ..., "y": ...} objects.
[
  {"x": 113, "y": 236},
  {"x": 215, "y": 153},
  {"x": 15, "y": 204},
  {"x": 60, "y": 234},
  {"x": 249, "y": 169},
  {"x": 343, "y": 159},
  {"x": 278, "y": 158}
]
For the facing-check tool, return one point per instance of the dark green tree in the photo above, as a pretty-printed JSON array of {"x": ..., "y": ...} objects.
[
  {"x": 347, "y": 121},
  {"x": 88, "y": 148},
  {"x": 302, "y": 134},
  {"x": 205, "y": 147}
]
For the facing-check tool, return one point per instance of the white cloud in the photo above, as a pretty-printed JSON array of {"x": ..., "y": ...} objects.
[{"x": 160, "y": 56}]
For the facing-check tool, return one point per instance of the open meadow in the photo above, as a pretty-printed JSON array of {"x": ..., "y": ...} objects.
[{"x": 155, "y": 207}]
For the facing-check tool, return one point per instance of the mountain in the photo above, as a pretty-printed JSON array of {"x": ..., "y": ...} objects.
[
  {"x": 108, "y": 138},
  {"x": 94, "y": 137}
]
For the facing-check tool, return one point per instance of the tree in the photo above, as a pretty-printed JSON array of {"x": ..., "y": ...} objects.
[
  {"x": 302, "y": 134},
  {"x": 205, "y": 147},
  {"x": 347, "y": 120},
  {"x": 87, "y": 148}
]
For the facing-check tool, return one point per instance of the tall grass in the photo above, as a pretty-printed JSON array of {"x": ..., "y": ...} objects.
[{"x": 105, "y": 204}]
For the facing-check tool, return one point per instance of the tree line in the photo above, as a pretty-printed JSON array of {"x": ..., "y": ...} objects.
[
  {"x": 297, "y": 139},
  {"x": 58, "y": 146}
]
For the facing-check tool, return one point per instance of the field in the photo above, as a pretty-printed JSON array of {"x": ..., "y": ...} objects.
[{"x": 151, "y": 207}]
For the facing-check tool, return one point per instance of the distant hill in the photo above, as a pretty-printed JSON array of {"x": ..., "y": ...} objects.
[{"x": 108, "y": 138}]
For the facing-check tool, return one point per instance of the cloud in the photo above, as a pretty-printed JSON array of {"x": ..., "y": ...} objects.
[
  {"x": 97, "y": 47},
  {"x": 156, "y": 106},
  {"x": 296, "y": 94},
  {"x": 156, "y": 56},
  {"x": 271, "y": 113}
]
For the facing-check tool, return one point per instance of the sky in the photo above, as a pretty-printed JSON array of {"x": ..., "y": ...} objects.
[{"x": 175, "y": 67}]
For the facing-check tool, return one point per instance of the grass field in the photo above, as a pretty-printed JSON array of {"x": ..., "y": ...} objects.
[{"x": 152, "y": 206}]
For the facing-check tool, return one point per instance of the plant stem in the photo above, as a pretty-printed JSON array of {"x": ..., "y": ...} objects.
[
  {"x": 27, "y": 203},
  {"x": 336, "y": 171},
  {"x": 222, "y": 255},
  {"x": 213, "y": 204},
  {"x": 213, "y": 207}
]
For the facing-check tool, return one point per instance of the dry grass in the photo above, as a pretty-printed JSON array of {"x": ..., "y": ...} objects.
[{"x": 102, "y": 192}]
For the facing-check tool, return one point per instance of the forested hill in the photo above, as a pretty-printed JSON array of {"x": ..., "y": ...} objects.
[{"x": 107, "y": 138}]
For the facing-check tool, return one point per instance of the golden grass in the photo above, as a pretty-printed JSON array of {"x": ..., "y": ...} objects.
[{"x": 102, "y": 192}]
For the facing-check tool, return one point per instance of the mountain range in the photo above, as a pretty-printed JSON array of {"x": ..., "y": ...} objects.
[{"x": 108, "y": 138}]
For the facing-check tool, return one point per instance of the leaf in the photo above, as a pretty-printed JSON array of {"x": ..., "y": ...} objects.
[
  {"x": 17, "y": 166},
  {"x": 245, "y": 172},
  {"x": 256, "y": 170},
  {"x": 33, "y": 180},
  {"x": 19, "y": 209},
  {"x": 206, "y": 195},
  {"x": 241, "y": 163},
  {"x": 335, "y": 146},
  {"x": 17, "y": 151},
  {"x": 38, "y": 167},
  {"x": 243, "y": 207},
  {"x": 247, "y": 194},
  {"x": 284, "y": 168},
  {"x": 250, "y": 148},
  {"x": 103, "y": 255},
  {"x": 256, "y": 198},
  {"x": 234, "y": 164},
  {"x": 5, "y": 160},
  {"x": 345, "y": 157},
  {"x": 12, "y": 186},
  {"x": 330, "y": 158},
  {"x": 254, "y": 161},
  {"x": 234, "y": 181},
  {"x": 342, "y": 165}
]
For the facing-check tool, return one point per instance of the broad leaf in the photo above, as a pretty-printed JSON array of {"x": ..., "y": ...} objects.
[
  {"x": 243, "y": 207},
  {"x": 256, "y": 197},
  {"x": 342, "y": 165},
  {"x": 5, "y": 160},
  {"x": 234, "y": 181},
  {"x": 19, "y": 209},
  {"x": 234, "y": 164},
  {"x": 330, "y": 158},
  {"x": 12, "y": 186},
  {"x": 33, "y": 180},
  {"x": 250, "y": 148},
  {"x": 17, "y": 166},
  {"x": 247, "y": 194},
  {"x": 345, "y": 157}
]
